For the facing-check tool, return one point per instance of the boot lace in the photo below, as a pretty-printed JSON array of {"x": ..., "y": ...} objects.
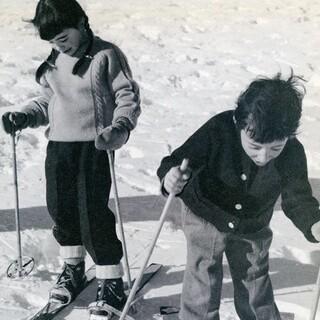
[
  {"x": 108, "y": 289},
  {"x": 66, "y": 277}
]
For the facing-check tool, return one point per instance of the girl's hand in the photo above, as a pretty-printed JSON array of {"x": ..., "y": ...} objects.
[
  {"x": 315, "y": 230},
  {"x": 14, "y": 121},
  {"x": 175, "y": 180},
  {"x": 113, "y": 137}
]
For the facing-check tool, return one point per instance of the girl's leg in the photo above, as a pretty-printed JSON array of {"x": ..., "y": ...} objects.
[
  {"x": 97, "y": 221},
  {"x": 248, "y": 258},
  {"x": 202, "y": 282},
  {"x": 61, "y": 171},
  {"x": 98, "y": 228}
]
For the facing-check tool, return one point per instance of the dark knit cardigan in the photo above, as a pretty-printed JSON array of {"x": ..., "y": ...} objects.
[{"x": 228, "y": 190}]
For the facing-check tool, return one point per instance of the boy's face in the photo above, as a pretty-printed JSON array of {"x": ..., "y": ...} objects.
[
  {"x": 261, "y": 153},
  {"x": 68, "y": 41}
]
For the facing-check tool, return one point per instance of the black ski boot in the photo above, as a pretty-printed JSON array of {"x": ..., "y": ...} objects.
[
  {"x": 110, "y": 297},
  {"x": 69, "y": 284}
]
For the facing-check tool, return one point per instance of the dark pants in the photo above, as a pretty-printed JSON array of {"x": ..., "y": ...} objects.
[
  {"x": 248, "y": 261},
  {"x": 78, "y": 187}
]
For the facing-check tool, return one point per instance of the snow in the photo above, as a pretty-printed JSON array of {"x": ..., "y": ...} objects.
[{"x": 191, "y": 59}]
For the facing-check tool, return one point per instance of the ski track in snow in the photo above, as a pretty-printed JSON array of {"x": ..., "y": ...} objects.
[{"x": 191, "y": 60}]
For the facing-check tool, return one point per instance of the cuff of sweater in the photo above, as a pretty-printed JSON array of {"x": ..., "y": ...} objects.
[
  {"x": 125, "y": 122},
  {"x": 163, "y": 190},
  {"x": 309, "y": 236},
  {"x": 31, "y": 119}
]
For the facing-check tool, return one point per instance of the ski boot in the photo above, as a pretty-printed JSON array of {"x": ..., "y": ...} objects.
[
  {"x": 110, "y": 300},
  {"x": 69, "y": 284}
]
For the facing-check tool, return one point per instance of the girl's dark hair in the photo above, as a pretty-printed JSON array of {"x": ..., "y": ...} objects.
[
  {"x": 51, "y": 17},
  {"x": 270, "y": 108}
]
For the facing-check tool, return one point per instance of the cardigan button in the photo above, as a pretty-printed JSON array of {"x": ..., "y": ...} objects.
[
  {"x": 243, "y": 177},
  {"x": 231, "y": 225},
  {"x": 238, "y": 206}
]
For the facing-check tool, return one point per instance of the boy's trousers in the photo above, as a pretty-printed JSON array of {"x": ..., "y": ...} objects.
[
  {"x": 78, "y": 187},
  {"x": 248, "y": 262}
]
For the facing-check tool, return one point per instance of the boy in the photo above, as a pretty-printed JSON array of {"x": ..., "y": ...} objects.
[{"x": 239, "y": 163}]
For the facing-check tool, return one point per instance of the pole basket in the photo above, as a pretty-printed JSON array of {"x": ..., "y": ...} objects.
[{"x": 16, "y": 271}]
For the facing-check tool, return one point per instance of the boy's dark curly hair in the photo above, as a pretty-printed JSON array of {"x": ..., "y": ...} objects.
[{"x": 270, "y": 108}]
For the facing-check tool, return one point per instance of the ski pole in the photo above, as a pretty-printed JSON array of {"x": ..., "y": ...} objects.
[
  {"x": 16, "y": 194},
  {"x": 119, "y": 218},
  {"x": 183, "y": 167},
  {"x": 315, "y": 301},
  {"x": 21, "y": 266}
]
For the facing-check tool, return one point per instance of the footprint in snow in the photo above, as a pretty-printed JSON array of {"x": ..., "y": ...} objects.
[{"x": 4, "y": 102}]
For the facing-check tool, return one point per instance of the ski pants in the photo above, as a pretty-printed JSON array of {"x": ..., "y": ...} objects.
[
  {"x": 248, "y": 259},
  {"x": 78, "y": 187}
]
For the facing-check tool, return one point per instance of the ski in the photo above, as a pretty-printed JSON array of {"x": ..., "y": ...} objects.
[
  {"x": 287, "y": 315},
  {"x": 167, "y": 311},
  {"x": 113, "y": 313},
  {"x": 49, "y": 311}
]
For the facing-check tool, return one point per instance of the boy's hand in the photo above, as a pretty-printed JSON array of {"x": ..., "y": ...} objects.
[
  {"x": 175, "y": 180},
  {"x": 315, "y": 230},
  {"x": 113, "y": 137},
  {"x": 14, "y": 121}
]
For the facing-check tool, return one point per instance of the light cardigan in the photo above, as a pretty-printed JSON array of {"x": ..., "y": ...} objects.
[{"x": 79, "y": 107}]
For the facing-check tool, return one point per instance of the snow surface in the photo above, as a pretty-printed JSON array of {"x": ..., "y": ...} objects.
[{"x": 191, "y": 58}]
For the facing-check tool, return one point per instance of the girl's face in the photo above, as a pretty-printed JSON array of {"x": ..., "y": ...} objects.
[
  {"x": 261, "y": 153},
  {"x": 69, "y": 41}
]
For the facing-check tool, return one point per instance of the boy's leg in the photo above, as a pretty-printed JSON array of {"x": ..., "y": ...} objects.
[
  {"x": 202, "y": 282},
  {"x": 248, "y": 258}
]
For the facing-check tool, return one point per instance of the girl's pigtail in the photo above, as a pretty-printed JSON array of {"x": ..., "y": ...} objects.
[
  {"x": 48, "y": 63},
  {"x": 86, "y": 55}
]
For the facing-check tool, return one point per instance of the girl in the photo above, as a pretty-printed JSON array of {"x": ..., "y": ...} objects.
[{"x": 91, "y": 103}]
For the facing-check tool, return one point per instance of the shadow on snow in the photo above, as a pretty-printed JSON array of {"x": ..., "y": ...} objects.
[{"x": 285, "y": 273}]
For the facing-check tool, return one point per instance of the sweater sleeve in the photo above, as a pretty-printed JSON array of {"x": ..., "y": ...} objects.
[
  {"x": 298, "y": 203},
  {"x": 125, "y": 90},
  {"x": 37, "y": 108},
  {"x": 202, "y": 145}
]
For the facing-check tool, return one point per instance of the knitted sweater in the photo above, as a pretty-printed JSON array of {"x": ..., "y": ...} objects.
[{"x": 78, "y": 107}]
